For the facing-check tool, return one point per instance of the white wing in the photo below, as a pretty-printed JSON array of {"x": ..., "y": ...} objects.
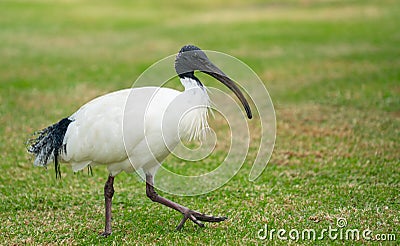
[{"x": 96, "y": 134}]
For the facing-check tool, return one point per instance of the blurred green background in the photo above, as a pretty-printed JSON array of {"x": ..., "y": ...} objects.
[{"x": 332, "y": 69}]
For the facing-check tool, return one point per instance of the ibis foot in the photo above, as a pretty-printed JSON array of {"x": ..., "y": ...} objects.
[
  {"x": 198, "y": 218},
  {"x": 105, "y": 234},
  {"x": 194, "y": 216}
]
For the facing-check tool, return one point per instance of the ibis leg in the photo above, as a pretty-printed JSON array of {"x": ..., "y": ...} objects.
[
  {"x": 108, "y": 195},
  {"x": 187, "y": 213}
]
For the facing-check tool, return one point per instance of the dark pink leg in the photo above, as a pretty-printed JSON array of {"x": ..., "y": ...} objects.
[
  {"x": 194, "y": 216},
  {"x": 108, "y": 195}
]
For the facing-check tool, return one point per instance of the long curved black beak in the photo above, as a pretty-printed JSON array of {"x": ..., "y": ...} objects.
[{"x": 215, "y": 72}]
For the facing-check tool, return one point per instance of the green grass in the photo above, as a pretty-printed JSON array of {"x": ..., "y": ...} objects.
[{"x": 332, "y": 69}]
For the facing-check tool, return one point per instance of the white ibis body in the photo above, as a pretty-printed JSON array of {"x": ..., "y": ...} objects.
[{"x": 135, "y": 129}]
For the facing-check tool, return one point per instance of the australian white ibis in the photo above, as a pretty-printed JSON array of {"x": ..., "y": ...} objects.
[{"x": 135, "y": 129}]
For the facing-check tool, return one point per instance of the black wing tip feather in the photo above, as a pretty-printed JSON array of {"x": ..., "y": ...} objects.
[{"x": 47, "y": 144}]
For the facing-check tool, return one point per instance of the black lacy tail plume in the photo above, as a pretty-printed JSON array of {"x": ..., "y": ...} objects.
[{"x": 47, "y": 144}]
